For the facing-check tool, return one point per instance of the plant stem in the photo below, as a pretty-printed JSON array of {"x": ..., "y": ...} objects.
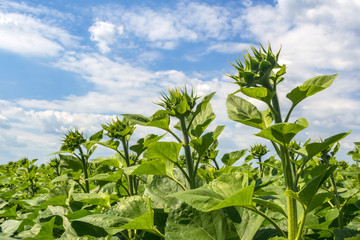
[
  {"x": 337, "y": 202},
  {"x": 298, "y": 236},
  {"x": 85, "y": 169},
  {"x": 188, "y": 158},
  {"x": 181, "y": 185},
  {"x": 290, "y": 178},
  {"x": 127, "y": 160},
  {"x": 269, "y": 219}
]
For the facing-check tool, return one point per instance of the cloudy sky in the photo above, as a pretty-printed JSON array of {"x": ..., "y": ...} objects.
[{"x": 76, "y": 64}]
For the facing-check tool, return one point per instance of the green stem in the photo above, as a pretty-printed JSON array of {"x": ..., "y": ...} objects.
[
  {"x": 269, "y": 219},
  {"x": 292, "y": 218},
  {"x": 260, "y": 167},
  {"x": 188, "y": 158},
  {"x": 289, "y": 113},
  {"x": 175, "y": 136},
  {"x": 302, "y": 223},
  {"x": 181, "y": 185},
  {"x": 127, "y": 160},
  {"x": 183, "y": 171},
  {"x": 85, "y": 169},
  {"x": 216, "y": 164},
  {"x": 337, "y": 202}
]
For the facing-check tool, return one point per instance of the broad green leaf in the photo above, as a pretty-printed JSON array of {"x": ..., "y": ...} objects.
[
  {"x": 143, "y": 143},
  {"x": 201, "y": 121},
  {"x": 203, "y": 104},
  {"x": 70, "y": 162},
  {"x": 93, "y": 140},
  {"x": 111, "y": 224},
  {"x": 250, "y": 224},
  {"x": 110, "y": 144},
  {"x": 242, "y": 111},
  {"x": 59, "y": 200},
  {"x": 160, "y": 187},
  {"x": 308, "y": 192},
  {"x": 228, "y": 190},
  {"x": 155, "y": 167},
  {"x": 144, "y": 222},
  {"x": 310, "y": 87},
  {"x": 9, "y": 227},
  {"x": 115, "y": 161},
  {"x": 230, "y": 158},
  {"x": 9, "y": 212},
  {"x": 319, "y": 199},
  {"x": 101, "y": 199},
  {"x": 46, "y": 231},
  {"x": 203, "y": 143},
  {"x": 88, "y": 230},
  {"x": 312, "y": 149},
  {"x": 164, "y": 151},
  {"x": 330, "y": 216},
  {"x": 260, "y": 93},
  {"x": 109, "y": 176},
  {"x": 160, "y": 119},
  {"x": 346, "y": 234},
  {"x": 242, "y": 198},
  {"x": 130, "y": 207},
  {"x": 185, "y": 223},
  {"x": 267, "y": 117},
  {"x": 283, "y": 133},
  {"x": 271, "y": 205}
]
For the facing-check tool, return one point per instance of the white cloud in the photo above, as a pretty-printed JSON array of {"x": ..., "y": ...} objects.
[
  {"x": 165, "y": 28},
  {"x": 104, "y": 34},
  {"x": 228, "y": 47},
  {"x": 26, "y": 35}
]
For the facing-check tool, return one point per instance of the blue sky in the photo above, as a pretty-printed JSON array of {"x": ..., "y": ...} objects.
[{"x": 77, "y": 64}]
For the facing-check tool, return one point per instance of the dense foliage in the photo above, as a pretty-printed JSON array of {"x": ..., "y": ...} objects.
[{"x": 179, "y": 190}]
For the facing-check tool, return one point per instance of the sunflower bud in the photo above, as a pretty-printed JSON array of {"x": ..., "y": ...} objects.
[
  {"x": 178, "y": 102},
  {"x": 117, "y": 129},
  {"x": 73, "y": 140}
]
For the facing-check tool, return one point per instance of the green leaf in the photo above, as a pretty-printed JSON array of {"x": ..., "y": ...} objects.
[
  {"x": 242, "y": 111},
  {"x": 9, "y": 227},
  {"x": 312, "y": 149},
  {"x": 203, "y": 143},
  {"x": 143, "y": 143},
  {"x": 164, "y": 151},
  {"x": 59, "y": 200},
  {"x": 185, "y": 223},
  {"x": 160, "y": 119},
  {"x": 308, "y": 192},
  {"x": 348, "y": 234},
  {"x": 273, "y": 206},
  {"x": 203, "y": 104},
  {"x": 260, "y": 93},
  {"x": 9, "y": 212},
  {"x": 242, "y": 198},
  {"x": 310, "y": 87},
  {"x": 46, "y": 231},
  {"x": 93, "y": 139},
  {"x": 160, "y": 187},
  {"x": 319, "y": 199},
  {"x": 110, "y": 144},
  {"x": 70, "y": 162},
  {"x": 201, "y": 121},
  {"x": 114, "y": 161},
  {"x": 230, "y": 158},
  {"x": 228, "y": 190},
  {"x": 283, "y": 133},
  {"x": 101, "y": 199},
  {"x": 108, "y": 176},
  {"x": 155, "y": 167}
]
